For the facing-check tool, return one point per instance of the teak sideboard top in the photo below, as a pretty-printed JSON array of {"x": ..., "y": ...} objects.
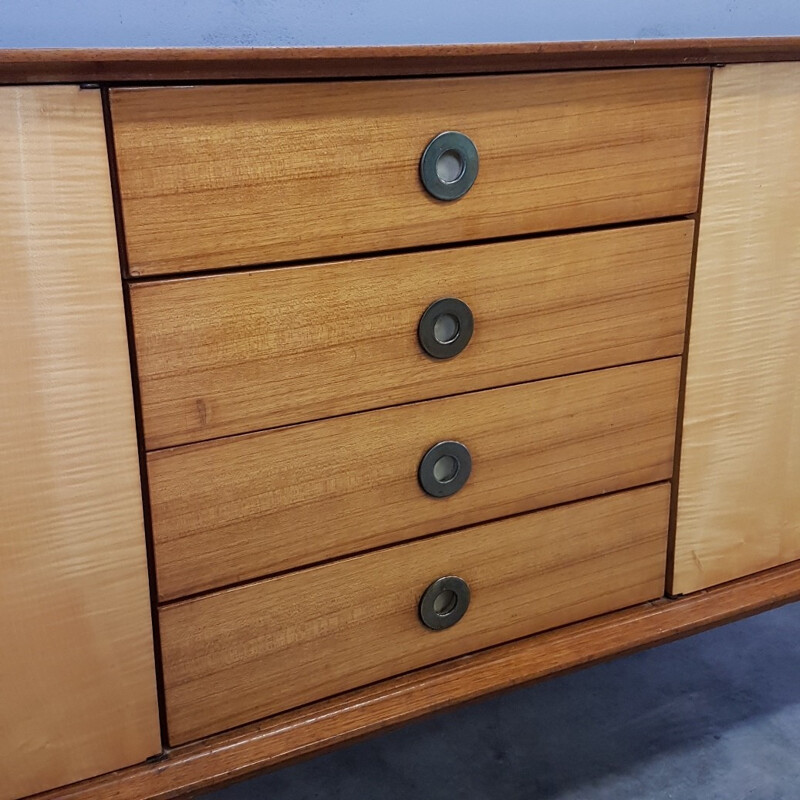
[{"x": 143, "y": 65}]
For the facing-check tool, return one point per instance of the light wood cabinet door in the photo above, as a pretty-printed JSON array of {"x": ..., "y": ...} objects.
[
  {"x": 739, "y": 488},
  {"x": 77, "y": 672}
]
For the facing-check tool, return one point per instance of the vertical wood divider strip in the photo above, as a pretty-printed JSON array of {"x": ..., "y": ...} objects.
[
  {"x": 676, "y": 474},
  {"x": 137, "y": 410}
]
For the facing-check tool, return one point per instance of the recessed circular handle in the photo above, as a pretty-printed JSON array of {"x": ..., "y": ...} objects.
[
  {"x": 445, "y": 327},
  {"x": 449, "y": 165},
  {"x": 444, "y": 602},
  {"x": 444, "y": 469}
]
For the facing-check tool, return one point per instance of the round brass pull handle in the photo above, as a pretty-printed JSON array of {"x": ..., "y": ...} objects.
[
  {"x": 445, "y": 327},
  {"x": 449, "y": 165},
  {"x": 444, "y": 602},
  {"x": 444, "y": 469}
]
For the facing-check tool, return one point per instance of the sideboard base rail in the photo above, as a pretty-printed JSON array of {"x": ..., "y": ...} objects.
[{"x": 288, "y": 737}]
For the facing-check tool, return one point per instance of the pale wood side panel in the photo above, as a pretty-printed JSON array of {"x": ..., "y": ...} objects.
[
  {"x": 77, "y": 674},
  {"x": 220, "y": 176},
  {"x": 232, "y": 353},
  {"x": 249, "y": 506},
  {"x": 739, "y": 498},
  {"x": 255, "y": 650}
]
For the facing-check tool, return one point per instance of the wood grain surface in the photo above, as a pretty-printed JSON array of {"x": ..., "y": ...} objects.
[
  {"x": 249, "y": 506},
  {"x": 148, "y": 64},
  {"x": 77, "y": 674},
  {"x": 220, "y": 176},
  {"x": 255, "y": 650},
  {"x": 739, "y": 500},
  {"x": 319, "y": 727},
  {"x": 238, "y": 352}
]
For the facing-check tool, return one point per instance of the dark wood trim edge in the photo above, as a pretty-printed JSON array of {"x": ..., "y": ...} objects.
[
  {"x": 163, "y": 65},
  {"x": 144, "y": 483},
  {"x": 676, "y": 461},
  {"x": 291, "y": 736}
]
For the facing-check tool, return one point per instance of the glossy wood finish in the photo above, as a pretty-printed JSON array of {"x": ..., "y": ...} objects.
[
  {"x": 77, "y": 676},
  {"x": 220, "y": 176},
  {"x": 270, "y": 63},
  {"x": 331, "y": 723},
  {"x": 238, "y": 352},
  {"x": 255, "y": 650},
  {"x": 739, "y": 500},
  {"x": 249, "y": 506},
  {"x": 327, "y": 723}
]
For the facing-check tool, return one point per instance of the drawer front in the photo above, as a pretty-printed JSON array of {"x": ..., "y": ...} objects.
[
  {"x": 220, "y": 176},
  {"x": 255, "y": 650},
  {"x": 233, "y": 353},
  {"x": 241, "y": 508}
]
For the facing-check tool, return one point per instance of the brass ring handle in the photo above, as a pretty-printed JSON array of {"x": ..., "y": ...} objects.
[
  {"x": 444, "y": 469},
  {"x": 445, "y": 327},
  {"x": 444, "y": 602},
  {"x": 449, "y": 165}
]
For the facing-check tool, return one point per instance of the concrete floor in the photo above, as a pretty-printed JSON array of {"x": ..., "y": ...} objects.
[{"x": 712, "y": 717}]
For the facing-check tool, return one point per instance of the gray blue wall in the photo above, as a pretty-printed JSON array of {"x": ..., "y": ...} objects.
[{"x": 190, "y": 23}]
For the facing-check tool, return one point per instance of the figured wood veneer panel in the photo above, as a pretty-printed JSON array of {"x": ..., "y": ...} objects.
[
  {"x": 739, "y": 498},
  {"x": 220, "y": 176},
  {"x": 232, "y": 353},
  {"x": 77, "y": 674},
  {"x": 248, "y": 506},
  {"x": 254, "y": 650}
]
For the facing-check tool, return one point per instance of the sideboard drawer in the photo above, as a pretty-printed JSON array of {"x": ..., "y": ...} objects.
[
  {"x": 233, "y": 353},
  {"x": 240, "y": 508},
  {"x": 222, "y": 176},
  {"x": 254, "y": 650}
]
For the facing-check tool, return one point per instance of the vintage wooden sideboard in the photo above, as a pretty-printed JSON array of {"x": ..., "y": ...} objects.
[{"x": 341, "y": 386}]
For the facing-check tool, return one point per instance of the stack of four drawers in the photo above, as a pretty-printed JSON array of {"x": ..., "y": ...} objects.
[{"x": 348, "y": 459}]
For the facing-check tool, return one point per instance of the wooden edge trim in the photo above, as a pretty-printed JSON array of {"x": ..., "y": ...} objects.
[
  {"x": 141, "y": 65},
  {"x": 288, "y": 737}
]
